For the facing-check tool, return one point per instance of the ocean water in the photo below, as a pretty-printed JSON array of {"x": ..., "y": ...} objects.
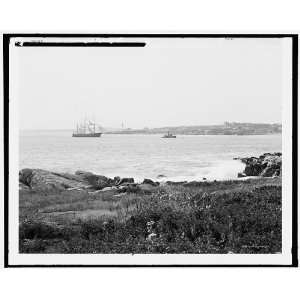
[{"x": 187, "y": 157}]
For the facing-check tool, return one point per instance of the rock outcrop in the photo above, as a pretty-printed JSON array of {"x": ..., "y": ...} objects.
[
  {"x": 39, "y": 179},
  {"x": 125, "y": 181},
  {"x": 266, "y": 165},
  {"x": 151, "y": 182},
  {"x": 98, "y": 182}
]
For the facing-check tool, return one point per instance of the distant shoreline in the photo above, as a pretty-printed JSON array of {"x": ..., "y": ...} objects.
[
  {"x": 202, "y": 134},
  {"x": 228, "y": 128}
]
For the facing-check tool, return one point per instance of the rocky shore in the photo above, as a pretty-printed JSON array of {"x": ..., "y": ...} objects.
[
  {"x": 266, "y": 165},
  {"x": 89, "y": 213}
]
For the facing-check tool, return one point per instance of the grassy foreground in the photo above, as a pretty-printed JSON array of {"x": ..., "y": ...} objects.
[{"x": 204, "y": 217}]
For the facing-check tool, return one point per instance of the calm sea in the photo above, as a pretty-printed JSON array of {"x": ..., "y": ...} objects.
[{"x": 143, "y": 156}]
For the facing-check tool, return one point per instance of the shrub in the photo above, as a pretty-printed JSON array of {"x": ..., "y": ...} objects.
[{"x": 39, "y": 230}]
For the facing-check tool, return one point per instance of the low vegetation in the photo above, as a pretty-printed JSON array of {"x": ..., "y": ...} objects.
[{"x": 204, "y": 217}]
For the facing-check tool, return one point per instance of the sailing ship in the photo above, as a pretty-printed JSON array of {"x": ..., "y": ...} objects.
[
  {"x": 87, "y": 129},
  {"x": 169, "y": 136}
]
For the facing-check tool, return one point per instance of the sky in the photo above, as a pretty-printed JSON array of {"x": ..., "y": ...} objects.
[{"x": 169, "y": 82}]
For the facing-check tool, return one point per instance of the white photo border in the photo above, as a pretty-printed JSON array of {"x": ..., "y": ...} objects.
[{"x": 289, "y": 255}]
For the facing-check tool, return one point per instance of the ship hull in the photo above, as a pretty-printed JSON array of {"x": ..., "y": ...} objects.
[{"x": 96, "y": 134}]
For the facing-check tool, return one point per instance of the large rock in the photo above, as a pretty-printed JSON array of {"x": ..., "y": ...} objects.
[
  {"x": 273, "y": 165},
  {"x": 266, "y": 165},
  {"x": 126, "y": 181},
  {"x": 70, "y": 176},
  {"x": 253, "y": 168},
  {"x": 116, "y": 180},
  {"x": 38, "y": 179},
  {"x": 96, "y": 181},
  {"x": 25, "y": 176},
  {"x": 151, "y": 182}
]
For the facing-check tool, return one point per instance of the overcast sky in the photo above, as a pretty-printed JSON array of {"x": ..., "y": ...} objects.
[{"x": 168, "y": 82}]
